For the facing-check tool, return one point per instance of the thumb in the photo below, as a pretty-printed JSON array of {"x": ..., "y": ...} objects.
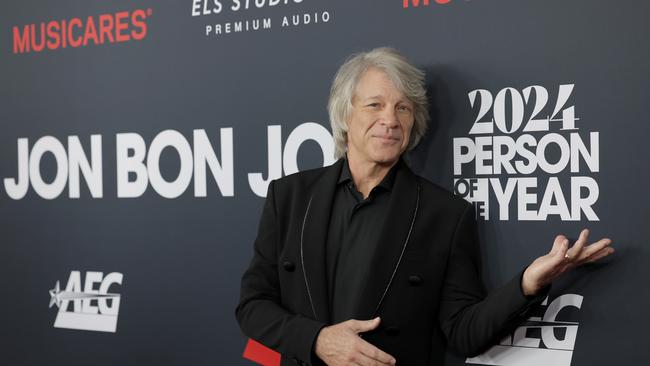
[
  {"x": 559, "y": 251},
  {"x": 558, "y": 245},
  {"x": 361, "y": 326}
]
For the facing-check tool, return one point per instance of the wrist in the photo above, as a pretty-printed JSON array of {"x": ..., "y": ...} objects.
[
  {"x": 529, "y": 287},
  {"x": 318, "y": 344}
]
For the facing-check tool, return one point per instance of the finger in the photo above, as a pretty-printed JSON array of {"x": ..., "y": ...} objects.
[
  {"x": 364, "y": 360},
  {"x": 557, "y": 244},
  {"x": 376, "y": 354},
  {"x": 556, "y": 260},
  {"x": 595, "y": 248},
  {"x": 574, "y": 252},
  {"x": 358, "y": 358},
  {"x": 601, "y": 254},
  {"x": 360, "y": 326},
  {"x": 561, "y": 253},
  {"x": 357, "y": 362}
]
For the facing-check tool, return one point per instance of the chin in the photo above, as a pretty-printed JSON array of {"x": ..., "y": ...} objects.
[
  {"x": 387, "y": 154},
  {"x": 385, "y": 159}
]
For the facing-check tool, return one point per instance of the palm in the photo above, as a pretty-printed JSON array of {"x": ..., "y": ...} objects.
[{"x": 561, "y": 259}]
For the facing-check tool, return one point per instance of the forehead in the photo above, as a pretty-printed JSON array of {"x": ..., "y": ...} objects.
[{"x": 375, "y": 82}]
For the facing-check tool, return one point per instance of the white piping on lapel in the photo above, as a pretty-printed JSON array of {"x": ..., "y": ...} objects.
[
  {"x": 302, "y": 259},
  {"x": 415, "y": 213}
]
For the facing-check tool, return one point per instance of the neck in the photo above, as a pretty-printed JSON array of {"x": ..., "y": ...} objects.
[{"x": 367, "y": 175}]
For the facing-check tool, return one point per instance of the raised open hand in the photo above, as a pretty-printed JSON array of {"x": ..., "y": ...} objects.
[{"x": 561, "y": 259}]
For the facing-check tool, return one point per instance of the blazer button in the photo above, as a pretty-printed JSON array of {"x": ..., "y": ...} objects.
[
  {"x": 288, "y": 266},
  {"x": 415, "y": 280},
  {"x": 392, "y": 330}
]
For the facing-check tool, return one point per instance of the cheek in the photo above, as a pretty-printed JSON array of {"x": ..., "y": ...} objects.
[
  {"x": 368, "y": 121},
  {"x": 359, "y": 125},
  {"x": 408, "y": 130},
  {"x": 407, "y": 126}
]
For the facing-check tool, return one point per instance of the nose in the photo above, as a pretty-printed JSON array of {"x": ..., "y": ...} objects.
[{"x": 389, "y": 118}]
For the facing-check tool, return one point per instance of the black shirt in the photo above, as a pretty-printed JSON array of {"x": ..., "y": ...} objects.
[{"x": 354, "y": 229}]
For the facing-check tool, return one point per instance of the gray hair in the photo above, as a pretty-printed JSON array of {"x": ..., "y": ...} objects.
[{"x": 406, "y": 77}]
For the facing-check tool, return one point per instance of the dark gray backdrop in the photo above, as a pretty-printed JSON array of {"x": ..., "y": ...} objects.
[{"x": 182, "y": 258}]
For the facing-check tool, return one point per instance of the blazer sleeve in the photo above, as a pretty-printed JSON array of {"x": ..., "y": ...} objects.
[
  {"x": 471, "y": 319},
  {"x": 260, "y": 313}
]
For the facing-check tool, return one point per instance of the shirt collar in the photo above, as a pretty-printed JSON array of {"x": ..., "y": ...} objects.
[{"x": 386, "y": 183}]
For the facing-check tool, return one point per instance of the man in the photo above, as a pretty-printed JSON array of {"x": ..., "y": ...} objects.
[{"x": 365, "y": 263}]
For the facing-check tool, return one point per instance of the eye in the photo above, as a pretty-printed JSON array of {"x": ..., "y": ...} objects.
[
  {"x": 373, "y": 105},
  {"x": 403, "y": 108}
]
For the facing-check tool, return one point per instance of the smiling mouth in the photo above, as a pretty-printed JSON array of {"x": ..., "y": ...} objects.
[{"x": 386, "y": 138}]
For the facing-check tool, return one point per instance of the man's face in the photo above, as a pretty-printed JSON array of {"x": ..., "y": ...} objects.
[{"x": 380, "y": 123}]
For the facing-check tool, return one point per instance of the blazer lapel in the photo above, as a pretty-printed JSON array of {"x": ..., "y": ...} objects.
[
  {"x": 313, "y": 240},
  {"x": 402, "y": 211}
]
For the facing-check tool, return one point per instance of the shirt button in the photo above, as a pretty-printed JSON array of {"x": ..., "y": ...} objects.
[
  {"x": 289, "y": 266},
  {"x": 392, "y": 331},
  {"x": 415, "y": 280}
]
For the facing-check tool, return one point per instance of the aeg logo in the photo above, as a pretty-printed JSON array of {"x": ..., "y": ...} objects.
[
  {"x": 416, "y": 3},
  {"x": 93, "y": 308},
  {"x": 122, "y": 26},
  {"x": 538, "y": 341}
]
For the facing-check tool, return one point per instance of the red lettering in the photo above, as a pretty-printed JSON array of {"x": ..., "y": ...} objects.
[
  {"x": 121, "y": 25},
  {"x": 21, "y": 41},
  {"x": 64, "y": 38},
  {"x": 74, "y": 22},
  {"x": 416, "y": 3},
  {"x": 137, "y": 18},
  {"x": 91, "y": 31},
  {"x": 53, "y": 36},
  {"x": 38, "y": 47},
  {"x": 106, "y": 28}
]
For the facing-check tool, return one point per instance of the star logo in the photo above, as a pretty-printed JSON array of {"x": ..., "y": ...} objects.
[
  {"x": 87, "y": 305},
  {"x": 54, "y": 295},
  {"x": 57, "y": 296}
]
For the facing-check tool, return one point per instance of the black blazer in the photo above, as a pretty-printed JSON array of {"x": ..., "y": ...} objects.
[{"x": 426, "y": 285}]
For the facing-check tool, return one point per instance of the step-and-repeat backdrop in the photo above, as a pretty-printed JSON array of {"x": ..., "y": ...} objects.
[{"x": 139, "y": 137}]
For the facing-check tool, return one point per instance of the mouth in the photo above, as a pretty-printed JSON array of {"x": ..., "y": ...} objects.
[{"x": 386, "y": 138}]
